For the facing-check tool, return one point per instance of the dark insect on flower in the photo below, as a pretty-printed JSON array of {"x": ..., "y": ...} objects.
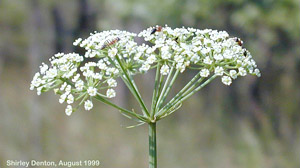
[
  {"x": 110, "y": 42},
  {"x": 156, "y": 29},
  {"x": 176, "y": 40},
  {"x": 245, "y": 53},
  {"x": 239, "y": 41}
]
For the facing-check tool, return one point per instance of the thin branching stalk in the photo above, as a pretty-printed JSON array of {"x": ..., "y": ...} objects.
[
  {"x": 134, "y": 88},
  {"x": 159, "y": 89},
  {"x": 184, "y": 96},
  {"x": 198, "y": 88},
  {"x": 122, "y": 110},
  {"x": 168, "y": 89},
  {"x": 155, "y": 91},
  {"x": 180, "y": 92},
  {"x": 162, "y": 93}
]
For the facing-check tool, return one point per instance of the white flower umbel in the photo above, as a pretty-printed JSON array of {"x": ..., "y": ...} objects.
[
  {"x": 115, "y": 54},
  {"x": 171, "y": 52}
]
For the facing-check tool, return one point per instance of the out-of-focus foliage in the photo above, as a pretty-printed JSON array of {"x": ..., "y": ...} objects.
[{"x": 254, "y": 123}]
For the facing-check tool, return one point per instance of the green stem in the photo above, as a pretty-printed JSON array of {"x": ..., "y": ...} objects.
[{"x": 152, "y": 146}]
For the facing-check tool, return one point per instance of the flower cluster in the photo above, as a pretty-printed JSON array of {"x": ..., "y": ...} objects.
[
  {"x": 109, "y": 54},
  {"x": 108, "y": 45},
  {"x": 208, "y": 51}
]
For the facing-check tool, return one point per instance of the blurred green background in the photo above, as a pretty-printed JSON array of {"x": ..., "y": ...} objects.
[{"x": 252, "y": 124}]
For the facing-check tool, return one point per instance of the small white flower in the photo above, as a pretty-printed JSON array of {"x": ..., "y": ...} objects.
[
  {"x": 64, "y": 67},
  {"x": 165, "y": 49},
  {"x": 187, "y": 63},
  {"x": 250, "y": 69},
  {"x": 138, "y": 56},
  {"x": 112, "y": 52},
  {"x": 55, "y": 90},
  {"x": 88, "y": 105},
  {"x": 205, "y": 50},
  {"x": 51, "y": 73},
  {"x": 69, "y": 73},
  {"x": 178, "y": 59},
  {"x": 62, "y": 98},
  {"x": 79, "y": 85},
  {"x": 150, "y": 50},
  {"x": 151, "y": 59},
  {"x": 97, "y": 76},
  {"x": 164, "y": 70},
  {"x": 145, "y": 67},
  {"x": 36, "y": 82},
  {"x": 63, "y": 86},
  {"x": 233, "y": 74},
  {"x": 217, "y": 48},
  {"x": 39, "y": 90},
  {"x": 242, "y": 71},
  {"x": 207, "y": 41},
  {"x": 68, "y": 88},
  {"x": 226, "y": 80},
  {"x": 112, "y": 83},
  {"x": 219, "y": 71},
  {"x": 92, "y": 91},
  {"x": 166, "y": 55},
  {"x": 180, "y": 67},
  {"x": 257, "y": 72},
  {"x": 43, "y": 68},
  {"x": 70, "y": 99},
  {"x": 101, "y": 65},
  {"x": 88, "y": 73},
  {"x": 76, "y": 42},
  {"x": 195, "y": 58},
  {"x": 58, "y": 55},
  {"x": 69, "y": 110},
  {"x": 110, "y": 93},
  {"x": 204, "y": 72},
  {"x": 228, "y": 54},
  {"x": 218, "y": 57},
  {"x": 207, "y": 60},
  {"x": 76, "y": 77}
]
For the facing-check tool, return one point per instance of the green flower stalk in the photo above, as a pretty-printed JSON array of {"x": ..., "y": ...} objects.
[{"x": 212, "y": 54}]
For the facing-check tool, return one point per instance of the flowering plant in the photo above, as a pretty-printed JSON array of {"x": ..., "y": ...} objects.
[{"x": 114, "y": 54}]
